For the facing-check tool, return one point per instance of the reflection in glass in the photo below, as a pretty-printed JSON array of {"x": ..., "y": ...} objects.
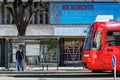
[
  {"x": 113, "y": 38},
  {"x": 87, "y": 45},
  {"x": 32, "y": 60},
  {"x": 97, "y": 41},
  {"x": 48, "y": 51}
]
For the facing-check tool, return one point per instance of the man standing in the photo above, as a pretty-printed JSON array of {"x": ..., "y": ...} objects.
[{"x": 19, "y": 59}]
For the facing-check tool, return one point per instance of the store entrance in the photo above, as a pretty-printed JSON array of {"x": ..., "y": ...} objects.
[{"x": 72, "y": 53}]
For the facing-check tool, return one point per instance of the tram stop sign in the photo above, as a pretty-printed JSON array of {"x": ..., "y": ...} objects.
[{"x": 113, "y": 61}]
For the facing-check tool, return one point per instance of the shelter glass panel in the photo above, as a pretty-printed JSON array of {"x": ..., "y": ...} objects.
[{"x": 48, "y": 51}]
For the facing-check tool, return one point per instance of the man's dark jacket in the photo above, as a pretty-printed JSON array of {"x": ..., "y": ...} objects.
[{"x": 19, "y": 55}]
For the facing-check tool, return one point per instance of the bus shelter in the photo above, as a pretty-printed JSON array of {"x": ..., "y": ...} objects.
[{"x": 39, "y": 51}]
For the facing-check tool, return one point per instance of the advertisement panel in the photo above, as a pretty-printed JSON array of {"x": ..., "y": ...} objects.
[{"x": 81, "y": 13}]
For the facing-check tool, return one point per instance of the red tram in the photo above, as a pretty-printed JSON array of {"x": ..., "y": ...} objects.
[{"x": 102, "y": 42}]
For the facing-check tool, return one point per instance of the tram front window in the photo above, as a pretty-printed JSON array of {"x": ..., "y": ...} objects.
[
  {"x": 97, "y": 41},
  {"x": 113, "y": 38},
  {"x": 87, "y": 45}
]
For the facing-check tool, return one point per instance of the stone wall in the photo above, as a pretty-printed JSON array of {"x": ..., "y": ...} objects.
[
  {"x": 8, "y": 30},
  {"x": 36, "y": 30},
  {"x": 33, "y": 30},
  {"x": 11, "y": 30}
]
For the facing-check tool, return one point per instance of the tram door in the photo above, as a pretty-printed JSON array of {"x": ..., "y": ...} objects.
[{"x": 72, "y": 53}]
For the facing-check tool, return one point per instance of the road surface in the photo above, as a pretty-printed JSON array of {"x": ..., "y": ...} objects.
[{"x": 56, "y": 75}]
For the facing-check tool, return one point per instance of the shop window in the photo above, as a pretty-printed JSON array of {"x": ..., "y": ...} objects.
[
  {"x": 72, "y": 54},
  {"x": 48, "y": 51}
]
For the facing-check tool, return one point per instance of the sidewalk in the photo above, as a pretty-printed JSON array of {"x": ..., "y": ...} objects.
[
  {"x": 52, "y": 71},
  {"x": 12, "y": 78},
  {"x": 46, "y": 69},
  {"x": 35, "y": 73}
]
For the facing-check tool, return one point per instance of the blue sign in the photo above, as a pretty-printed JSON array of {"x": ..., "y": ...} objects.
[
  {"x": 113, "y": 61},
  {"x": 81, "y": 13}
]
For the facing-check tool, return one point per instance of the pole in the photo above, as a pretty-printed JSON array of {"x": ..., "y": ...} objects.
[
  {"x": 114, "y": 66},
  {"x": 115, "y": 70}
]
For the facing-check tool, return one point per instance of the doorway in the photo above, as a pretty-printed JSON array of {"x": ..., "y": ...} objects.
[{"x": 72, "y": 53}]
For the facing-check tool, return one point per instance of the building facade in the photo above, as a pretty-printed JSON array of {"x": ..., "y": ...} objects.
[{"x": 54, "y": 36}]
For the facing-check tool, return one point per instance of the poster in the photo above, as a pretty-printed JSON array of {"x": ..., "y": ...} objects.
[{"x": 32, "y": 49}]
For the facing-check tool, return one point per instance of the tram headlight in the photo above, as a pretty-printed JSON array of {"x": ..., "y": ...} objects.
[{"x": 86, "y": 55}]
